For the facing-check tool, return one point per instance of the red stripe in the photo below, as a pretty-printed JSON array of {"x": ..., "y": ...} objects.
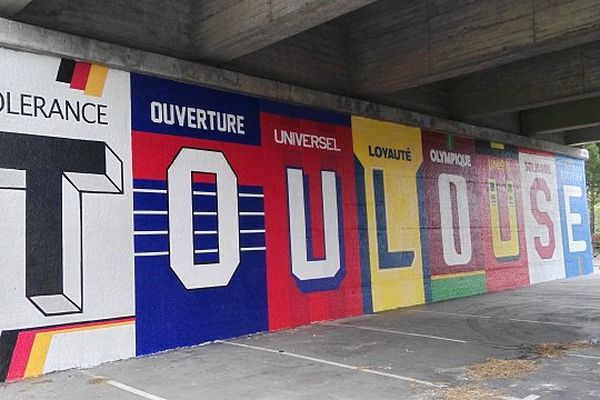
[
  {"x": 81, "y": 74},
  {"x": 86, "y": 324},
  {"x": 18, "y": 363}
]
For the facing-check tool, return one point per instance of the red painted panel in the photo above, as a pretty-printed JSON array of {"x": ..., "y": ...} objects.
[
  {"x": 292, "y": 301},
  {"x": 450, "y": 173},
  {"x": 505, "y": 256}
]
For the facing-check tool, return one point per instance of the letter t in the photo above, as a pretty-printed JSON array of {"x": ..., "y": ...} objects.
[{"x": 55, "y": 172}]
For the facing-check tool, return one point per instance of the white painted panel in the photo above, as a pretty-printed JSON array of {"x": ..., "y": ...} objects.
[{"x": 542, "y": 219}]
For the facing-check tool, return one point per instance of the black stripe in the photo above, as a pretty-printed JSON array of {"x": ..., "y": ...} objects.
[
  {"x": 8, "y": 341},
  {"x": 65, "y": 71}
]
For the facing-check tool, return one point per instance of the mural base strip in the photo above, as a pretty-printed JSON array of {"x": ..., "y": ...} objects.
[{"x": 462, "y": 286}]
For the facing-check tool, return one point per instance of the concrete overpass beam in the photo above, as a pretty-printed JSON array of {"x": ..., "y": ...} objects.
[
  {"x": 441, "y": 40},
  {"x": 226, "y": 30},
  {"x": 152, "y": 25},
  {"x": 582, "y": 136},
  {"x": 19, "y": 36},
  {"x": 562, "y": 117},
  {"x": 9, "y": 8},
  {"x": 552, "y": 78}
]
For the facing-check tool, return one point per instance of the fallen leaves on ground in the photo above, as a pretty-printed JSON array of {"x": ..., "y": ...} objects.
[
  {"x": 470, "y": 392},
  {"x": 494, "y": 368},
  {"x": 555, "y": 350},
  {"x": 97, "y": 380}
]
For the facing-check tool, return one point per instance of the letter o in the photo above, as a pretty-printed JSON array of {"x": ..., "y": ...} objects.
[
  {"x": 156, "y": 114},
  {"x": 450, "y": 253},
  {"x": 181, "y": 219}
]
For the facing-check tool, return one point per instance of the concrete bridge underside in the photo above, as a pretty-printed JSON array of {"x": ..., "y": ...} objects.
[{"x": 525, "y": 70}]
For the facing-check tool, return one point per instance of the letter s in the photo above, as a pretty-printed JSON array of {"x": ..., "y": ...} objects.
[{"x": 545, "y": 251}]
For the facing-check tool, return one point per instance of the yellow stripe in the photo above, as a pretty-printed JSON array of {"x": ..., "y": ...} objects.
[
  {"x": 458, "y": 275},
  {"x": 96, "y": 80},
  {"x": 39, "y": 351},
  {"x": 41, "y": 346},
  {"x": 495, "y": 145}
]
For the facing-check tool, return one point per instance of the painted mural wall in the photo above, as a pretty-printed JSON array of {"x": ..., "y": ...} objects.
[{"x": 139, "y": 214}]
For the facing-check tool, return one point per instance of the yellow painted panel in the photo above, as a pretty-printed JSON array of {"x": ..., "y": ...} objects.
[
  {"x": 392, "y": 287},
  {"x": 96, "y": 80},
  {"x": 503, "y": 248}
]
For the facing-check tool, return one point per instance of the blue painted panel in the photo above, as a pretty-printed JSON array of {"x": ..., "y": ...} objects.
[
  {"x": 167, "y": 314},
  {"x": 175, "y": 108},
  {"x": 574, "y": 216}
]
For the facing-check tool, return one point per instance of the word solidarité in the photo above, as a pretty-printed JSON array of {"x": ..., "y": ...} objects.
[{"x": 539, "y": 168}]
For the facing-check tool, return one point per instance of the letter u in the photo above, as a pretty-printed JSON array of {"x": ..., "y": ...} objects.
[
  {"x": 168, "y": 114},
  {"x": 303, "y": 268}
]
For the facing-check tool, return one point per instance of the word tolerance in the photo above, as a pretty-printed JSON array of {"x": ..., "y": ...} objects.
[{"x": 29, "y": 105}]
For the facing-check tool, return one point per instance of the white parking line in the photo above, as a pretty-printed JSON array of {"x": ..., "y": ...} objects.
[
  {"x": 584, "y": 356},
  {"x": 368, "y": 328},
  {"x": 530, "y": 397},
  {"x": 125, "y": 387},
  {"x": 582, "y": 307},
  {"x": 333, "y": 363},
  {"x": 529, "y": 321},
  {"x": 452, "y": 313},
  {"x": 133, "y": 390}
]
